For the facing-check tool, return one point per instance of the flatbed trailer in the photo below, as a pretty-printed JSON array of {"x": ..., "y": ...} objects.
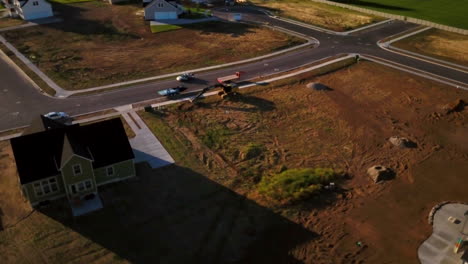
[{"x": 229, "y": 78}]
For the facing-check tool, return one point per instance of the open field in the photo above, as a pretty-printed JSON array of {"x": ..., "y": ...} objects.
[
  {"x": 451, "y": 13},
  {"x": 322, "y": 15},
  {"x": 439, "y": 44},
  {"x": 10, "y": 22},
  {"x": 163, "y": 28},
  {"x": 102, "y": 44},
  {"x": 206, "y": 208},
  {"x": 348, "y": 129}
]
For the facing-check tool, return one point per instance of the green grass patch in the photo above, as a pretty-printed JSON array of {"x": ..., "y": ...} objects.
[
  {"x": 252, "y": 150},
  {"x": 296, "y": 184},
  {"x": 452, "y": 13},
  {"x": 163, "y": 28},
  {"x": 216, "y": 136}
]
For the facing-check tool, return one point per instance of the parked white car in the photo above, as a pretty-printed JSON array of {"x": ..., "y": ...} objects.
[
  {"x": 185, "y": 77},
  {"x": 57, "y": 115}
]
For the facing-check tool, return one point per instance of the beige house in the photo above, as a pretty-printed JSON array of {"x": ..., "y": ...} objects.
[{"x": 161, "y": 9}]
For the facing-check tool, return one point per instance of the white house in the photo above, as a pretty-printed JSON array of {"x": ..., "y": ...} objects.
[
  {"x": 161, "y": 9},
  {"x": 28, "y": 9}
]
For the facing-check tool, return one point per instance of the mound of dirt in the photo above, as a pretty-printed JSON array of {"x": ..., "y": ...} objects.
[
  {"x": 379, "y": 173},
  {"x": 402, "y": 142},
  {"x": 456, "y": 106},
  {"x": 318, "y": 87}
]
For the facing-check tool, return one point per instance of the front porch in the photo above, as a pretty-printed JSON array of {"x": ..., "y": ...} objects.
[{"x": 87, "y": 204}]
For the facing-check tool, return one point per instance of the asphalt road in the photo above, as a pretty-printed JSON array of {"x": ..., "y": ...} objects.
[{"x": 20, "y": 101}]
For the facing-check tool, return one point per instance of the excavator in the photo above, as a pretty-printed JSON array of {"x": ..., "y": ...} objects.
[{"x": 226, "y": 83}]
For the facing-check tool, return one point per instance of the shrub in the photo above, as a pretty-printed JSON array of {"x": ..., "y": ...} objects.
[
  {"x": 251, "y": 151},
  {"x": 216, "y": 136},
  {"x": 295, "y": 184}
]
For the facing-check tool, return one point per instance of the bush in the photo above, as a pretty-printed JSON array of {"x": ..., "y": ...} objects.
[
  {"x": 296, "y": 184},
  {"x": 251, "y": 151}
]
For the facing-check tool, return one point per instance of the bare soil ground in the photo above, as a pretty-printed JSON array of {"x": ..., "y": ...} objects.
[
  {"x": 205, "y": 209},
  {"x": 10, "y": 22},
  {"x": 346, "y": 128},
  {"x": 322, "y": 15},
  {"x": 101, "y": 44},
  {"x": 438, "y": 43}
]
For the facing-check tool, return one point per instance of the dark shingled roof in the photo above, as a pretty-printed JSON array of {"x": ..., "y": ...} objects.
[
  {"x": 42, "y": 123},
  {"x": 41, "y": 155}
]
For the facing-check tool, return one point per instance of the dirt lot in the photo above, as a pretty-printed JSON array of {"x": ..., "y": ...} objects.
[
  {"x": 440, "y": 44},
  {"x": 102, "y": 44},
  {"x": 322, "y": 15},
  {"x": 205, "y": 209},
  {"x": 10, "y": 22},
  {"x": 347, "y": 128}
]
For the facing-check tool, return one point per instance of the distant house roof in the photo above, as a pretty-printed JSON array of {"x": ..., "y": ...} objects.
[{"x": 42, "y": 154}]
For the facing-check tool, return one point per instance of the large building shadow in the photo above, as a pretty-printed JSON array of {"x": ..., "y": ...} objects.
[{"x": 176, "y": 215}]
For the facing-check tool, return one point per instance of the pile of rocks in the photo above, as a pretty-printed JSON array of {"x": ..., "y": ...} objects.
[
  {"x": 379, "y": 173},
  {"x": 402, "y": 142}
]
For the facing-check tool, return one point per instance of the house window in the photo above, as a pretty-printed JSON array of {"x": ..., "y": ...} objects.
[
  {"x": 35, "y": 3},
  {"x": 38, "y": 189},
  {"x": 45, "y": 187},
  {"x": 81, "y": 186},
  {"x": 110, "y": 171},
  {"x": 77, "y": 169}
]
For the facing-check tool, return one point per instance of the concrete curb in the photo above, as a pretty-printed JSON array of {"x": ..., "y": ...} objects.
[
  {"x": 321, "y": 29},
  {"x": 21, "y": 72},
  {"x": 62, "y": 93},
  {"x": 130, "y": 108},
  {"x": 386, "y": 45}
]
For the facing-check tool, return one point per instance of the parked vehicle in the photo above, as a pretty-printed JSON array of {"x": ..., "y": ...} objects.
[
  {"x": 57, "y": 115},
  {"x": 172, "y": 91},
  {"x": 185, "y": 77}
]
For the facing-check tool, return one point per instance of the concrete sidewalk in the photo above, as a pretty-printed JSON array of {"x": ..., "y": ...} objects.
[
  {"x": 146, "y": 146},
  {"x": 182, "y": 21},
  {"x": 438, "y": 248}
]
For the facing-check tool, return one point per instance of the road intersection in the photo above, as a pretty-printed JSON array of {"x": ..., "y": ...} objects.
[{"x": 20, "y": 101}]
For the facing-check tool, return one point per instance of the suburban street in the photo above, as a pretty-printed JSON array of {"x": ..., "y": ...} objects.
[{"x": 20, "y": 101}]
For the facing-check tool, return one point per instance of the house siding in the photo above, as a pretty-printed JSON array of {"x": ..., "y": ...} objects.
[
  {"x": 34, "y": 199},
  {"x": 124, "y": 169},
  {"x": 86, "y": 169},
  {"x": 153, "y": 7}
]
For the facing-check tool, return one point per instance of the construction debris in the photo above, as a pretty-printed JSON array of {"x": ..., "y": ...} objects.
[
  {"x": 379, "y": 173},
  {"x": 402, "y": 142}
]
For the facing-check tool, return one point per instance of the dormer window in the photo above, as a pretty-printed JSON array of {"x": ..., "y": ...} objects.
[
  {"x": 35, "y": 3},
  {"x": 77, "y": 169}
]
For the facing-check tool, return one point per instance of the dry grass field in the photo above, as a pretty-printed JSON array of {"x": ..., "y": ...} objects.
[
  {"x": 439, "y": 44},
  {"x": 10, "y": 22},
  {"x": 206, "y": 207},
  {"x": 101, "y": 44},
  {"x": 322, "y": 15}
]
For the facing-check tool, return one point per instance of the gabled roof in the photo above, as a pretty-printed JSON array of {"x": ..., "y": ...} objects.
[
  {"x": 153, "y": 3},
  {"x": 42, "y": 154},
  {"x": 42, "y": 123}
]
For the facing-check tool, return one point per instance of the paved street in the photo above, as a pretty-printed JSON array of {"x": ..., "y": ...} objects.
[{"x": 20, "y": 101}]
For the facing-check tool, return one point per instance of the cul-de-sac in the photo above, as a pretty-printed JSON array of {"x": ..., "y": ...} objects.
[{"x": 234, "y": 131}]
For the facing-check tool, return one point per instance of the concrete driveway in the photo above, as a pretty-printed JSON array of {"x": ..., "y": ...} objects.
[{"x": 439, "y": 247}]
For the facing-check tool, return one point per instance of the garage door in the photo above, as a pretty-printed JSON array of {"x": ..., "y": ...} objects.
[{"x": 165, "y": 15}]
